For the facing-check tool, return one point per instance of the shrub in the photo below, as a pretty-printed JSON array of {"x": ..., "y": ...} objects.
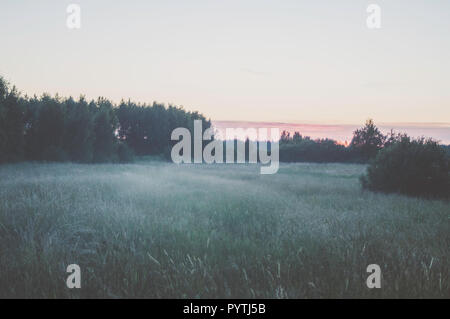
[{"x": 413, "y": 167}]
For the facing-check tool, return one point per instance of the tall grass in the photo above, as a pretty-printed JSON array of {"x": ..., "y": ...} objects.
[{"x": 158, "y": 230}]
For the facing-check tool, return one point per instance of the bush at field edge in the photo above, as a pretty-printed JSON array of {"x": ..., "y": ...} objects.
[{"x": 417, "y": 167}]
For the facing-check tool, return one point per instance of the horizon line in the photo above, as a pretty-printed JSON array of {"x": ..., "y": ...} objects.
[{"x": 327, "y": 123}]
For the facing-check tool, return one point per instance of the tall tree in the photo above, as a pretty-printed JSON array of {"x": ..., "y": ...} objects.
[
  {"x": 11, "y": 124},
  {"x": 367, "y": 141},
  {"x": 105, "y": 123},
  {"x": 79, "y": 131},
  {"x": 48, "y": 130}
]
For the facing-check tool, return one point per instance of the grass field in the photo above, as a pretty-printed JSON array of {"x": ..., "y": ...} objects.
[{"x": 156, "y": 230}]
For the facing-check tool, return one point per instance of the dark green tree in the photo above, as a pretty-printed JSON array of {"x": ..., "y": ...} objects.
[
  {"x": 367, "y": 141},
  {"x": 105, "y": 123},
  {"x": 48, "y": 130},
  {"x": 12, "y": 124},
  {"x": 79, "y": 131}
]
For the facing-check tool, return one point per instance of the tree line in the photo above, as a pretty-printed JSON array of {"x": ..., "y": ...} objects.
[
  {"x": 64, "y": 129},
  {"x": 50, "y": 128},
  {"x": 397, "y": 163},
  {"x": 366, "y": 143}
]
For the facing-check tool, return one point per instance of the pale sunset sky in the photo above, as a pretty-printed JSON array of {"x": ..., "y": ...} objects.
[{"x": 288, "y": 61}]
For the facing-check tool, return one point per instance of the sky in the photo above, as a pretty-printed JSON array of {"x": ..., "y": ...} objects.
[{"x": 287, "y": 61}]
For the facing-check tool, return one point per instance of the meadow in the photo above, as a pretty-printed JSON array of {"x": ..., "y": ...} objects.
[{"x": 153, "y": 229}]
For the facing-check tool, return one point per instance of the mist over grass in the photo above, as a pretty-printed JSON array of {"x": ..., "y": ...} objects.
[{"x": 156, "y": 230}]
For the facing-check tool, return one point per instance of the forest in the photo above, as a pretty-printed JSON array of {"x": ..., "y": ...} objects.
[{"x": 58, "y": 129}]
